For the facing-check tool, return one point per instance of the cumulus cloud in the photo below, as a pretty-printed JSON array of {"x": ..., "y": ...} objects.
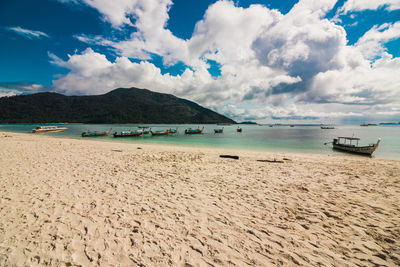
[
  {"x": 371, "y": 44},
  {"x": 30, "y": 34},
  {"x": 293, "y": 66},
  {"x": 18, "y": 88},
  {"x": 360, "y": 5}
]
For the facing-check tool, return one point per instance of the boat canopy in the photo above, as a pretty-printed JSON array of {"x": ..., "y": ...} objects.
[{"x": 349, "y": 138}]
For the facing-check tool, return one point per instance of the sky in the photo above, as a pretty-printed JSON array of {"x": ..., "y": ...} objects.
[{"x": 269, "y": 61}]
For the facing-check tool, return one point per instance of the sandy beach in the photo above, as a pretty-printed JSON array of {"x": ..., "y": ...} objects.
[{"x": 71, "y": 202}]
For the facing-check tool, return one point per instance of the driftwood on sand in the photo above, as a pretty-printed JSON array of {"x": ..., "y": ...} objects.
[
  {"x": 229, "y": 156},
  {"x": 271, "y": 161}
]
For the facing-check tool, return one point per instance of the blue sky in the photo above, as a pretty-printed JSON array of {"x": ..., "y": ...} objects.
[{"x": 297, "y": 61}]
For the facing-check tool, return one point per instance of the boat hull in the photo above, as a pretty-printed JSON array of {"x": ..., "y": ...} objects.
[
  {"x": 127, "y": 135},
  {"x": 159, "y": 133},
  {"x": 96, "y": 134},
  {"x": 364, "y": 150},
  {"x": 47, "y": 131}
]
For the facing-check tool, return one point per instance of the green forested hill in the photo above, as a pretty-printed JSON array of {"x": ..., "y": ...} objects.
[{"x": 123, "y": 105}]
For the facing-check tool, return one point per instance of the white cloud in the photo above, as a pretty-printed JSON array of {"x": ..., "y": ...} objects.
[
  {"x": 28, "y": 33},
  {"x": 7, "y": 92},
  {"x": 371, "y": 43},
  {"x": 360, "y": 5},
  {"x": 290, "y": 66}
]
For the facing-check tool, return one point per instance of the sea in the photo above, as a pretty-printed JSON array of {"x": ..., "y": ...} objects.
[{"x": 283, "y": 138}]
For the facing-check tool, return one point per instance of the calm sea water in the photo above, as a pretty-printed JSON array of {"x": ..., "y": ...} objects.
[{"x": 308, "y": 139}]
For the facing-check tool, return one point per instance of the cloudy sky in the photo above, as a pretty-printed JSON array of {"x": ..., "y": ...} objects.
[{"x": 306, "y": 61}]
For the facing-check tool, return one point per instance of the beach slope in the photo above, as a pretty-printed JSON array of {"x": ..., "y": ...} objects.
[{"x": 85, "y": 202}]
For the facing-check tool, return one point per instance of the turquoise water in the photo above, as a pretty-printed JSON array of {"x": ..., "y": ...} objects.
[{"x": 308, "y": 139}]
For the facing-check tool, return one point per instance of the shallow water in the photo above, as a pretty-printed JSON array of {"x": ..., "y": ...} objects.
[{"x": 307, "y": 139}]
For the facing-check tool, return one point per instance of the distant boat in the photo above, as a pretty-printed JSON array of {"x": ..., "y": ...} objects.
[
  {"x": 45, "y": 129},
  {"x": 239, "y": 130},
  {"x": 160, "y": 132},
  {"x": 327, "y": 127},
  {"x": 95, "y": 133},
  {"x": 194, "y": 131},
  {"x": 342, "y": 144},
  {"x": 173, "y": 131},
  {"x": 145, "y": 129},
  {"x": 219, "y": 130},
  {"x": 368, "y": 124},
  {"x": 291, "y": 125},
  {"x": 128, "y": 134}
]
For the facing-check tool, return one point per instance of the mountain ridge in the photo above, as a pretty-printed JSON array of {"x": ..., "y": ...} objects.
[{"x": 121, "y": 105}]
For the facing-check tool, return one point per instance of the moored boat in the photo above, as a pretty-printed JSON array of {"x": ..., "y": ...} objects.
[
  {"x": 173, "y": 131},
  {"x": 45, "y": 129},
  {"x": 160, "y": 132},
  {"x": 345, "y": 144},
  {"x": 327, "y": 127},
  {"x": 145, "y": 129},
  {"x": 219, "y": 130},
  {"x": 239, "y": 130},
  {"x": 95, "y": 133},
  {"x": 194, "y": 131},
  {"x": 128, "y": 134}
]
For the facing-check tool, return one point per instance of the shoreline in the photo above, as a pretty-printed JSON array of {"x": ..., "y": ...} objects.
[
  {"x": 330, "y": 153},
  {"x": 67, "y": 201}
]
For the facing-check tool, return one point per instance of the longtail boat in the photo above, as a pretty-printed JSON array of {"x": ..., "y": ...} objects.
[
  {"x": 161, "y": 132},
  {"x": 219, "y": 130},
  {"x": 173, "y": 131},
  {"x": 128, "y": 134},
  {"x": 194, "y": 131},
  {"x": 345, "y": 144},
  {"x": 145, "y": 129},
  {"x": 95, "y": 133},
  {"x": 46, "y": 129}
]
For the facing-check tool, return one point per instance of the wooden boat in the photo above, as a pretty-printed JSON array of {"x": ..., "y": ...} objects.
[
  {"x": 95, "y": 133},
  {"x": 173, "y": 131},
  {"x": 157, "y": 133},
  {"x": 342, "y": 144},
  {"x": 194, "y": 131},
  {"x": 219, "y": 130},
  {"x": 46, "y": 129},
  {"x": 327, "y": 127},
  {"x": 128, "y": 134},
  {"x": 145, "y": 129},
  {"x": 239, "y": 130}
]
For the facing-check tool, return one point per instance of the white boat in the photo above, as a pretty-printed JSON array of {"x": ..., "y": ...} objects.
[
  {"x": 45, "y": 129},
  {"x": 345, "y": 144}
]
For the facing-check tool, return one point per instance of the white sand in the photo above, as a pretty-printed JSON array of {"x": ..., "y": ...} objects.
[{"x": 86, "y": 202}]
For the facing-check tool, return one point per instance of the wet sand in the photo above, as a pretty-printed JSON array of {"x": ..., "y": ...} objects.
[{"x": 87, "y": 202}]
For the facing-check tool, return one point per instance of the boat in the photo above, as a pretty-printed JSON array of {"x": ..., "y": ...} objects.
[
  {"x": 341, "y": 143},
  {"x": 368, "y": 124},
  {"x": 194, "y": 131},
  {"x": 291, "y": 125},
  {"x": 219, "y": 130},
  {"x": 128, "y": 134},
  {"x": 95, "y": 133},
  {"x": 173, "y": 131},
  {"x": 46, "y": 129},
  {"x": 161, "y": 132},
  {"x": 327, "y": 127},
  {"x": 239, "y": 130},
  {"x": 145, "y": 129}
]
